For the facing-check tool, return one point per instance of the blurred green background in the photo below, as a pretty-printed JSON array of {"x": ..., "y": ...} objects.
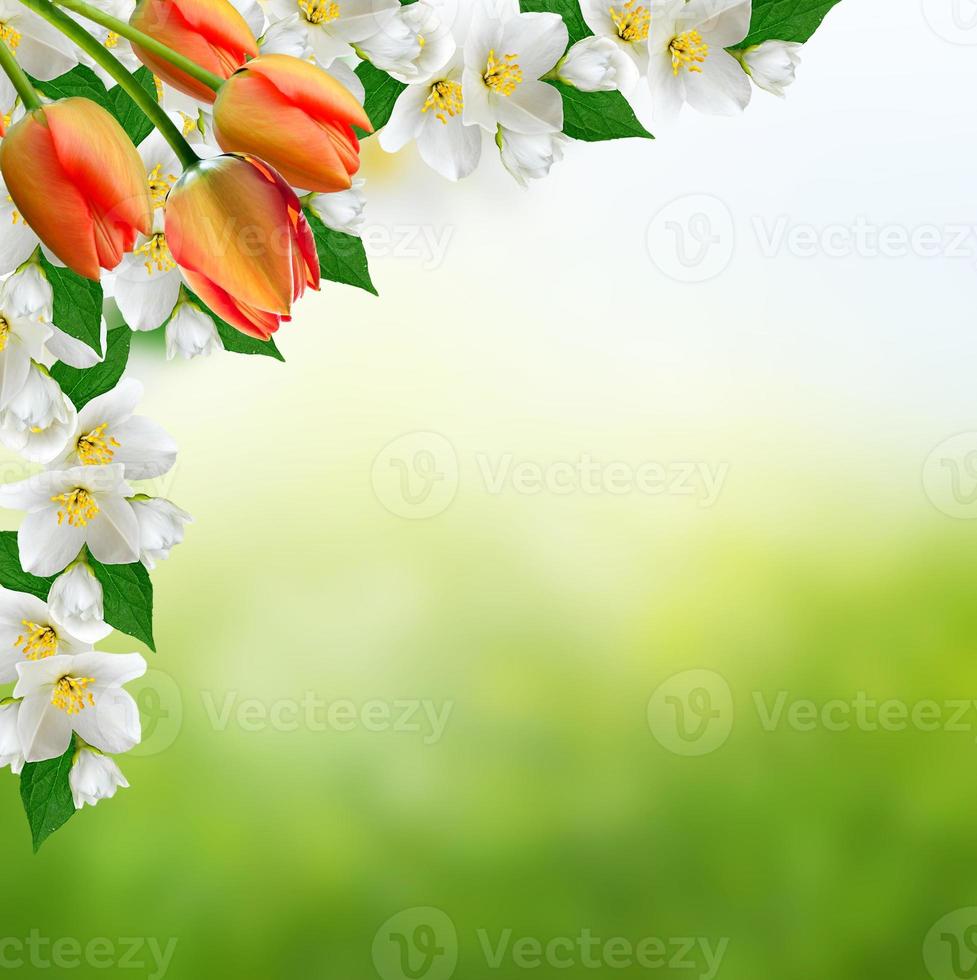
[{"x": 560, "y": 796}]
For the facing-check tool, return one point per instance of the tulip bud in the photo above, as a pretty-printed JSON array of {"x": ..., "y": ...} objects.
[
  {"x": 77, "y": 180},
  {"x": 237, "y": 231},
  {"x": 209, "y": 32},
  {"x": 296, "y": 117}
]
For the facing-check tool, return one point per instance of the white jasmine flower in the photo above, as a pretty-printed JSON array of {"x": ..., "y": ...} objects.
[
  {"x": 29, "y": 291},
  {"x": 626, "y": 23},
  {"x": 530, "y": 157},
  {"x": 76, "y": 603},
  {"x": 17, "y": 238},
  {"x": 432, "y": 114},
  {"x": 81, "y": 693},
  {"x": 42, "y": 50},
  {"x": 11, "y": 753},
  {"x": 161, "y": 526},
  {"x": 29, "y": 631},
  {"x": 108, "y": 432},
  {"x": 287, "y": 36},
  {"x": 66, "y": 509},
  {"x": 94, "y": 777},
  {"x": 22, "y": 337},
  {"x": 118, "y": 45},
  {"x": 505, "y": 56},
  {"x": 688, "y": 58},
  {"x": 342, "y": 211},
  {"x": 772, "y": 65},
  {"x": 334, "y": 26},
  {"x": 412, "y": 43},
  {"x": 38, "y": 421},
  {"x": 191, "y": 333},
  {"x": 597, "y": 64},
  {"x": 253, "y": 15}
]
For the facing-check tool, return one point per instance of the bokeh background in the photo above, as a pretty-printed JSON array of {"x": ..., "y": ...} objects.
[{"x": 362, "y": 538}]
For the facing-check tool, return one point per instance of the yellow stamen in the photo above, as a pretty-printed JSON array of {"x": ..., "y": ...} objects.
[
  {"x": 37, "y": 641},
  {"x": 70, "y": 696},
  {"x": 446, "y": 100},
  {"x": 79, "y": 507},
  {"x": 159, "y": 185},
  {"x": 633, "y": 23},
  {"x": 158, "y": 82},
  {"x": 503, "y": 76},
  {"x": 111, "y": 39},
  {"x": 688, "y": 50},
  {"x": 15, "y": 214},
  {"x": 10, "y": 36},
  {"x": 319, "y": 11},
  {"x": 189, "y": 125},
  {"x": 95, "y": 448},
  {"x": 157, "y": 254},
  {"x": 4, "y": 331}
]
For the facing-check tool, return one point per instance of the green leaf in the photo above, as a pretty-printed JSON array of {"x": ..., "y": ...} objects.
[
  {"x": 342, "y": 258},
  {"x": 12, "y": 576},
  {"x": 785, "y": 20},
  {"x": 232, "y": 339},
  {"x": 596, "y": 116},
  {"x": 80, "y": 82},
  {"x": 133, "y": 120},
  {"x": 46, "y": 794},
  {"x": 382, "y": 91},
  {"x": 82, "y": 385},
  {"x": 128, "y": 598},
  {"x": 569, "y": 10},
  {"x": 77, "y": 304}
]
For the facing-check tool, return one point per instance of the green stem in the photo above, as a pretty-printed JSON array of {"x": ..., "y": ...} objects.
[
  {"x": 144, "y": 41},
  {"x": 17, "y": 76},
  {"x": 101, "y": 56}
]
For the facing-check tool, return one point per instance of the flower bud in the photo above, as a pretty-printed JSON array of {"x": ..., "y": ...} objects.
[
  {"x": 209, "y": 32},
  {"x": 77, "y": 180},
  {"x": 237, "y": 231},
  {"x": 296, "y": 117},
  {"x": 76, "y": 602},
  {"x": 161, "y": 526},
  {"x": 94, "y": 777},
  {"x": 597, "y": 64},
  {"x": 191, "y": 333},
  {"x": 773, "y": 65}
]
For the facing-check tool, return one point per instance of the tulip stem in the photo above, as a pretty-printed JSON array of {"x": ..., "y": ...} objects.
[
  {"x": 144, "y": 41},
  {"x": 18, "y": 78},
  {"x": 101, "y": 56}
]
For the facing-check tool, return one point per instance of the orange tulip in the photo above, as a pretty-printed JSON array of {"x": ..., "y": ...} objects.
[
  {"x": 209, "y": 32},
  {"x": 77, "y": 180},
  {"x": 237, "y": 231},
  {"x": 295, "y": 116}
]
